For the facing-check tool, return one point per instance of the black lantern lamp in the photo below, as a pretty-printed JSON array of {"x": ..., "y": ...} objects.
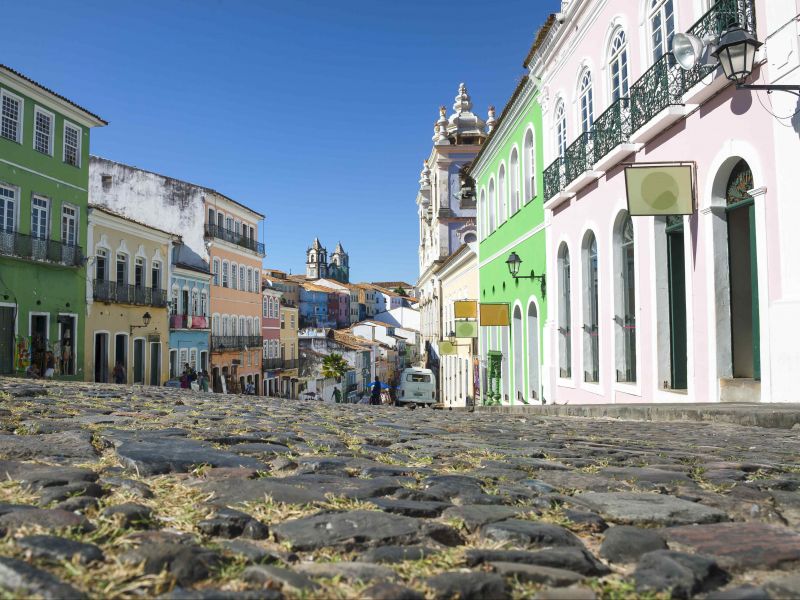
[
  {"x": 514, "y": 262},
  {"x": 736, "y": 54},
  {"x": 146, "y": 318}
]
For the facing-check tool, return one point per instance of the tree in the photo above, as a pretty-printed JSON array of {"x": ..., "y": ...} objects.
[
  {"x": 400, "y": 291},
  {"x": 334, "y": 366}
]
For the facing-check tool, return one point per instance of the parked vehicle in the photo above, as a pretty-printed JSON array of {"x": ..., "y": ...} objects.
[{"x": 416, "y": 386}]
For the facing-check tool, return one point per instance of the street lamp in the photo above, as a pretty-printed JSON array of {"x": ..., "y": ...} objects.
[
  {"x": 514, "y": 262},
  {"x": 145, "y": 319}
]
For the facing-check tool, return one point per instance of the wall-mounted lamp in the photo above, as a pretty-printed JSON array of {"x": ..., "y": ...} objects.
[
  {"x": 145, "y": 319},
  {"x": 514, "y": 262},
  {"x": 736, "y": 52},
  {"x": 451, "y": 338}
]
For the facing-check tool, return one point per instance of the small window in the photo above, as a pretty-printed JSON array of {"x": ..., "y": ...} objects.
[
  {"x": 8, "y": 204},
  {"x": 39, "y": 217},
  {"x": 215, "y": 271},
  {"x": 561, "y": 128},
  {"x": 69, "y": 225},
  {"x": 418, "y": 378},
  {"x": 11, "y": 113},
  {"x": 138, "y": 272},
  {"x": 241, "y": 277},
  {"x": 662, "y": 27},
  {"x": 234, "y": 280},
  {"x": 72, "y": 145},
  {"x": 586, "y": 102},
  {"x": 155, "y": 275},
  {"x": 101, "y": 265},
  {"x": 224, "y": 273},
  {"x": 618, "y": 66},
  {"x": 43, "y": 131}
]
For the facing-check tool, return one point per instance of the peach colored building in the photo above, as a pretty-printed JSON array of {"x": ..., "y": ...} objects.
[{"x": 235, "y": 254}]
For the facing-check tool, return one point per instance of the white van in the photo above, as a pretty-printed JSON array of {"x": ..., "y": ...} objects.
[{"x": 416, "y": 386}]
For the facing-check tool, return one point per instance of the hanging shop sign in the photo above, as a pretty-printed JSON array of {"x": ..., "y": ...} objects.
[
  {"x": 447, "y": 348},
  {"x": 466, "y": 329},
  {"x": 655, "y": 190},
  {"x": 465, "y": 309},
  {"x": 494, "y": 315}
]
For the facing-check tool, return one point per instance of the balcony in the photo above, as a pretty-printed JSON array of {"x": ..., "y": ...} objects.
[
  {"x": 188, "y": 322},
  {"x": 234, "y": 238},
  {"x": 13, "y": 243},
  {"x": 664, "y": 94},
  {"x": 221, "y": 343},
  {"x": 122, "y": 293},
  {"x": 270, "y": 364}
]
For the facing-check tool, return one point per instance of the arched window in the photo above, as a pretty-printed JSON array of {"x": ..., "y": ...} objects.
[
  {"x": 625, "y": 301},
  {"x": 591, "y": 346},
  {"x": 561, "y": 128},
  {"x": 662, "y": 27},
  {"x": 586, "y": 99},
  {"x": 501, "y": 193},
  {"x": 492, "y": 207},
  {"x": 234, "y": 281},
  {"x": 564, "y": 313},
  {"x": 215, "y": 271},
  {"x": 618, "y": 66},
  {"x": 482, "y": 214},
  {"x": 513, "y": 177},
  {"x": 529, "y": 165}
]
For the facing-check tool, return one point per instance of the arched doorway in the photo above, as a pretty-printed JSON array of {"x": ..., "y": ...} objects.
[
  {"x": 519, "y": 388},
  {"x": 743, "y": 273},
  {"x": 533, "y": 353}
]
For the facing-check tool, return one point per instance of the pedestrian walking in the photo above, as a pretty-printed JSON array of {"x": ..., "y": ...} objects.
[
  {"x": 204, "y": 381},
  {"x": 375, "y": 396},
  {"x": 119, "y": 373}
]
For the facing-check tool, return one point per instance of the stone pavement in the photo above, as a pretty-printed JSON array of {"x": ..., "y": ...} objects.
[{"x": 113, "y": 491}]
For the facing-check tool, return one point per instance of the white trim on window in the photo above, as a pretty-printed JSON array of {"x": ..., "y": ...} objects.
[
  {"x": 18, "y": 124},
  {"x": 78, "y": 144},
  {"x": 38, "y": 110}
]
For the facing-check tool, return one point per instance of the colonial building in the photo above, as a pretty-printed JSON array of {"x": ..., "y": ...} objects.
[
  {"x": 236, "y": 301},
  {"x": 44, "y": 176},
  {"x": 507, "y": 175},
  {"x": 126, "y": 299},
  {"x": 446, "y": 208},
  {"x": 698, "y": 304},
  {"x": 271, "y": 359},
  {"x": 190, "y": 320},
  {"x": 318, "y": 267},
  {"x": 290, "y": 350}
]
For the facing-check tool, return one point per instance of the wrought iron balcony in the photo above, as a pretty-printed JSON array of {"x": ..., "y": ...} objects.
[
  {"x": 659, "y": 88},
  {"x": 188, "y": 322},
  {"x": 577, "y": 158},
  {"x": 554, "y": 178},
  {"x": 221, "y": 343},
  {"x": 725, "y": 14},
  {"x": 270, "y": 364},
  {"x": 611, "y": 129},
  {"x": 234, "y": 238},
  {"x": 123, "y": 293},
  {"x": 13, "y": 243}
]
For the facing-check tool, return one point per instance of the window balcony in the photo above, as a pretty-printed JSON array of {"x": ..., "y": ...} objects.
[
  {"x": 611, "y": 135},
  {"x": 19, "y": 245},
  {"x": 271, "y": 364},
  {"x": 221, "y": 343},
  {"x": 188, "y": 322},
  {"x": 578, "y": 164},
  {"x": 122, "y": 293},
  {"x": 657, "y": 99},
  {"x": 555, "y": 183},
  {"x": 233, "y": 237}
]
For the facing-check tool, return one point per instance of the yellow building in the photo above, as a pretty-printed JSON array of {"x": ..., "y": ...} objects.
[
  {"x": 127, "y": 321},
  {"x": 458, "y": 281},
  {"x": 290, "y": 349}
]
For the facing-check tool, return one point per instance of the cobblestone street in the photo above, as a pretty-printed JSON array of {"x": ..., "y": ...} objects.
[{"x": 116, "y": 491}]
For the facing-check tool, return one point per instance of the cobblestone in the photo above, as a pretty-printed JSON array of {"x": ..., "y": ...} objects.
[{"x": 150, "y": 496}]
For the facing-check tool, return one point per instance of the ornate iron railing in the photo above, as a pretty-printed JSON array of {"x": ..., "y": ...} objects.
[
  {"x": 234, "y": 238},
  {"x": 554, "y": 178},
  {"x": 13, "y": 243},
  {"x": 235, "y": 342},
  {"x": 269, "y": 364},
  {"x": 576, "y": 158},
  {"x": 123, "y": 293},
  {"x": 725, "y": 14},
  {"x": 611, "y": 129},
  {"x": 657, "y": 89}
]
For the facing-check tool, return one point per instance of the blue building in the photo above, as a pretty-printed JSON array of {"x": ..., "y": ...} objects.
[
  {"x": 189, "y": 322},
  {"x": 313, "y": 307}
]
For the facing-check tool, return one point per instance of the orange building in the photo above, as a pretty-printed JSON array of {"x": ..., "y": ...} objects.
[{"x": 236, "y": 255}]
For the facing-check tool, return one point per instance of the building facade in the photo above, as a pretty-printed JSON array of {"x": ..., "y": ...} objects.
[
  {"x": 127, "y": 321},
  {"x": 44, "y": 175},
  {"x": 190, "y": 305},
  {"x": 678, "y": 308},
  {"x": 290, "y": 350},
  {"x": 271, "y": 337},
  {"x": 507, "y": 174},
  {"x": 236, "y": 302},
  {"x": 446, "y": 209}
]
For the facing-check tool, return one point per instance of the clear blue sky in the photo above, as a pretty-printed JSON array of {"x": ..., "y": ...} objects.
[{"x": 316, "y": 113}]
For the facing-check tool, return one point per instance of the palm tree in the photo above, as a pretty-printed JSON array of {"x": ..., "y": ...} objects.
[{"x": 334, "y": 366}]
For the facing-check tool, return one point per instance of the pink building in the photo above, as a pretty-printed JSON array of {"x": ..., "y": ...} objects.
[
  {"x": 272, "y": 362},
  {"x": 660, "y": 309}
]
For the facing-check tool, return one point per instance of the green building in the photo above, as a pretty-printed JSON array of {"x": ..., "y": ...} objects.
[
  {"x": 44, "y": 180},
  {"x": 507, "y": 175}
]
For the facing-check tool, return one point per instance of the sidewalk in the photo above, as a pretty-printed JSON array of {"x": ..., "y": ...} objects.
[{"x": 775, "y": 416}]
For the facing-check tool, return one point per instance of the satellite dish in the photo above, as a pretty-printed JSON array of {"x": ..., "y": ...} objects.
[{"x": 687, "y": 49}]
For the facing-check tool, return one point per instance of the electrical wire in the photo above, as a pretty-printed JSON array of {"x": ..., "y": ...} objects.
[{"x": 794, "y": 114}]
